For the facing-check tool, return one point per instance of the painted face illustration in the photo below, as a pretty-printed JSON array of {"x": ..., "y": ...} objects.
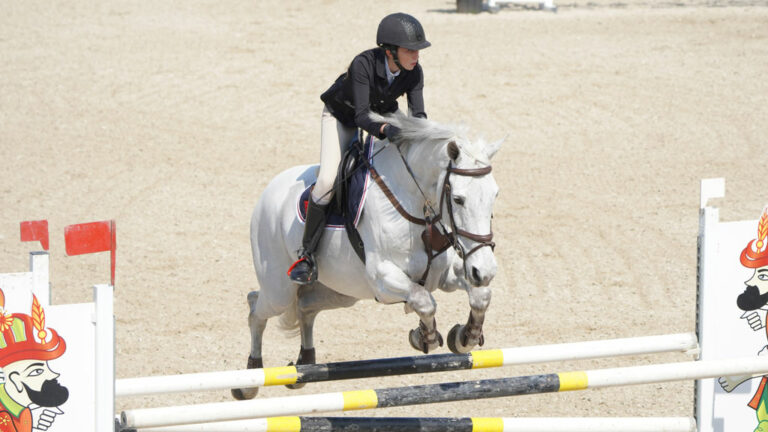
[
  {"x": 755, "y": 295},
  {"x": 33, "y": 381}
]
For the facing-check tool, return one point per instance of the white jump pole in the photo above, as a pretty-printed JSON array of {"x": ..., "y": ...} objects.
[
  {"x": 510, "y": 424},
  {"x": 366, "y": 399},
  {"x": 680, "y": 342}
]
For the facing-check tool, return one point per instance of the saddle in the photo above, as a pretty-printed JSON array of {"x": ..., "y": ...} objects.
[
  {"x": 349, "y": 193},
  {"x": 353, "y": 178}
]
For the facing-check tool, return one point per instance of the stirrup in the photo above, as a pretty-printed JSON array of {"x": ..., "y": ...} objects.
[{"x": 303, "y": 271}]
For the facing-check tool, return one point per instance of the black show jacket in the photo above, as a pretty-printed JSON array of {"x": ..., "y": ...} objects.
[{"x": 364, "y": 88}]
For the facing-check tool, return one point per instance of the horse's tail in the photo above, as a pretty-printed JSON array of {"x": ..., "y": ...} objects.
[{"x": 289, "y": 320}]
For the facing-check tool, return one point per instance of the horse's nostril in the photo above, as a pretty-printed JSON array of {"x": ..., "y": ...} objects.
[{"x": 476, "y": 274}]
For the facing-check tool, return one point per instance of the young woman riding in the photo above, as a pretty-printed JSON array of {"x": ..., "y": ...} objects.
[{"x": 373, "y": 82}]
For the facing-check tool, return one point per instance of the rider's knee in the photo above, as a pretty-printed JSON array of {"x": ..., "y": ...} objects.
[{"x": 321, "y": 192}]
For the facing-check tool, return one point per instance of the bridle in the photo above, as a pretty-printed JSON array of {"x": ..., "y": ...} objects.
[
  {"x": 438, "y": 240},
  {"x": 483, "y": 240}
]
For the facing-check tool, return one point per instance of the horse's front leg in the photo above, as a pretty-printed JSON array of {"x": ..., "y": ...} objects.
[
  {"x": 463, "y": 338},
  {"x": 394, "y": 286},
  {"x": 425, "y": 337}
]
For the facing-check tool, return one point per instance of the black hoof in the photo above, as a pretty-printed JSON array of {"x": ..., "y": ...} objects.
[
  {"x": 255, "y": 363},
  {"x": 297, "y": 385},
  {"x": 458, "y": 340},
  {"x": 306, "y": 356},
  {"x": 418, "y": 342},
  {"x": 414, "y": 337},
  {"x": 239, "y": 394},
  {"x": 452, "y": 339}
]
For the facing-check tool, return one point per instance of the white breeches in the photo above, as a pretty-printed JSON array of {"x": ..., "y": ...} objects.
[{"x": 334, "y": 138}]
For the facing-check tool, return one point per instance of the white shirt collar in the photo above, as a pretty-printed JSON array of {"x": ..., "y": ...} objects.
[{"x": 390, "y": 75}]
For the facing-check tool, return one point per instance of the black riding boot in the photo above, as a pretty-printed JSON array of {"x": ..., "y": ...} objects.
[{"x": 304, "y": 271}]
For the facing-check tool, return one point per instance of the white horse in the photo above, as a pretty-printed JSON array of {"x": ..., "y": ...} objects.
[{"x": 434, "y": 172}]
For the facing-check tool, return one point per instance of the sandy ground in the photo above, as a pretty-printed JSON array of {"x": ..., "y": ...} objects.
[{"x": 171, "y": 117}]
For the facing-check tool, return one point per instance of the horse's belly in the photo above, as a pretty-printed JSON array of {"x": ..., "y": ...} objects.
[
  {"x": 348, "y": 285},
  {"x": 340, "y": 269}
]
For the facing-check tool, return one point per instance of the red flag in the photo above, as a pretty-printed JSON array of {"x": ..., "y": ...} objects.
[
  {"x": 35, "y": 231},
  {"x": 91, "y": 238}
]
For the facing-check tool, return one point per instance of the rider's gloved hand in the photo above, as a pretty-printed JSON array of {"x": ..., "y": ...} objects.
[{"x": 391, "y": 132}]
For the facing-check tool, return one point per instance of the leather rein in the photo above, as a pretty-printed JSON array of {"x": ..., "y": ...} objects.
[{"x": 435, "y": 240}]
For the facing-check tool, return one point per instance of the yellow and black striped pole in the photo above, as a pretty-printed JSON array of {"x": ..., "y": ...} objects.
[
  {"x": 364, "y": 399},
  {"x": 403, "y": 365},
  {"x": 444, "y": 392},
  {"x": 441, "y": 424}
]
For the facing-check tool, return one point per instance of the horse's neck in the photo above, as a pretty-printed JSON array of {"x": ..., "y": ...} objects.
[{"x": 403, "y": 185}]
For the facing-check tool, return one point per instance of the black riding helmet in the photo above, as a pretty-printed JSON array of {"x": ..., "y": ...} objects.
[{"x": 401, "y": 30}]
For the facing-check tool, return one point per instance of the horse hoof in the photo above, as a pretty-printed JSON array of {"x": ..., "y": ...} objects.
[
  {"x": 245, "y": 394},
  {"x": 452, "y": 339},
  {"x": 249, "y": 393},
  {"x": 306, "y": 357},
  {"x": 456, "y": 340},
  {"x": 414, "y": 337},
  {"x": 419, "y": 343},
  {"x": 297, "y": 385}
]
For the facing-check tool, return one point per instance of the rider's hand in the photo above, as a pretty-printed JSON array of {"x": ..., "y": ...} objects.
[{"x": 391, "y": 132}]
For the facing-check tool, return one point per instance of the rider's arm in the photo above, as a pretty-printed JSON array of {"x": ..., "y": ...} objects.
[
  {"x": 416, "y": 95},
  {"x": 361, "y": 74}
]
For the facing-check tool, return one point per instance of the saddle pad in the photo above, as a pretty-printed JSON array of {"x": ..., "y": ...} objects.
[{"x": 357, "y": 191}]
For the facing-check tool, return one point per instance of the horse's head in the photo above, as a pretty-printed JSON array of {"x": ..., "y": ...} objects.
[
  {"x": 455, "y": 174},
  {"x": 468, "y": 193}
]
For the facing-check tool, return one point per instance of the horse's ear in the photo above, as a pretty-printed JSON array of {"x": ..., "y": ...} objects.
[
  {"x": 493, "y": 147},
  {"x": 453, "y": 150}
]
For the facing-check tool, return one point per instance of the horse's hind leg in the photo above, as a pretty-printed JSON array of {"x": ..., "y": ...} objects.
[
  {"x": 257, "y": 325},
  {"x": 306, "y": 323},
  {"x": 462, "y": 339},
  {"x": 311, "y": 300}
]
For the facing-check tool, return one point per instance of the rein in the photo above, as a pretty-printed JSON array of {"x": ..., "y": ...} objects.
[{"x": 434, "y": 239}]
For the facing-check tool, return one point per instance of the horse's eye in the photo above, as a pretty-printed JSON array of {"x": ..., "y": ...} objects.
[{"x": 458, "y": 200}]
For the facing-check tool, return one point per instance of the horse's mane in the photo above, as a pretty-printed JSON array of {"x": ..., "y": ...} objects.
[{"x": 430, "y": 137}]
